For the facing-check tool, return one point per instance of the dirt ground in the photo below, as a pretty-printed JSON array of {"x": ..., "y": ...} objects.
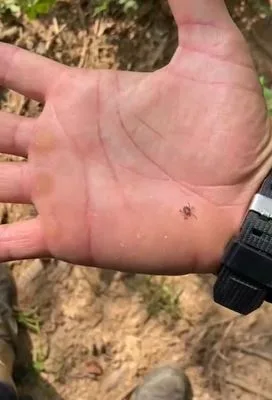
[{"x": 101, "y": 331}]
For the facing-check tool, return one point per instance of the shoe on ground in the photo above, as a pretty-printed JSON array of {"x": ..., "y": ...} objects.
[
  {"x": 8, "y": 325},
  {"x": 165, "y": 383}
]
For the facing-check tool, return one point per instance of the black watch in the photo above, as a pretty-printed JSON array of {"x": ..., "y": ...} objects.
[{"x": 244, "y": 281}]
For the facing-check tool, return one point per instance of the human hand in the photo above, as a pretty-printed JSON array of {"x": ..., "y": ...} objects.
[{"x": 115, "y": 156}]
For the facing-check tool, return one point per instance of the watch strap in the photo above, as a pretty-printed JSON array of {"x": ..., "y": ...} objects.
[{"x": 245, "y": 278}]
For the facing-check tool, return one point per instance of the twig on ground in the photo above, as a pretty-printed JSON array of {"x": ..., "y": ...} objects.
[
  {"x": 158, "y": 54},
  {"x": 245, "y": 385},
  {"x": 219, "y": 344},
  {"x": 22, "y": 106},
  {"x": 54, "y": 33},
  {"x": 254, "y": 352},
  {"x": 208, "y": 326},
  {"x": 128, "y": 395},
  {"x": 81, "y": 16},
  {"x": 257, "y": 338},
  {"x": 86, "y": 44},
  {"x": 9, "y": 33},
  {"x": 83, "y": 376}
]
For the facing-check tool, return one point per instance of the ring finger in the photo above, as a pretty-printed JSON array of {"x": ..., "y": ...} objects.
[
  {"x": 15, "y": 134},
  {"x": 15, "y": 182}
]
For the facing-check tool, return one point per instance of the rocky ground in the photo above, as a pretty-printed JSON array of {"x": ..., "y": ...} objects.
[{"x": 93, "y": 334}]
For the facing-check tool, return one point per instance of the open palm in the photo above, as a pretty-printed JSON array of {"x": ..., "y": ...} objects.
[{"x": 115, "y": 156}]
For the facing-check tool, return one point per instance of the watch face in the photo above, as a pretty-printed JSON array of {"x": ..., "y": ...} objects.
[{"x": 262, "y": 205}]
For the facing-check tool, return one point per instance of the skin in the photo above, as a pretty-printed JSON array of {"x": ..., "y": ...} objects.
[{"x": 114, "y": 156}]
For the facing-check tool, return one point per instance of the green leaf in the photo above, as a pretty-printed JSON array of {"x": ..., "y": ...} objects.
[
  {"x": 32, "y": 8},
  {"x": 37, "y": 7},
  {"x": 267, "y": 92}
]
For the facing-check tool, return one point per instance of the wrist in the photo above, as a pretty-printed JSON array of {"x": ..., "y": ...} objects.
[{"x": 234, "y": 217}]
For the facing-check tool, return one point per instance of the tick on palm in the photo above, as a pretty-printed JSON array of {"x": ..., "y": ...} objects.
[{"x": 188, "y": 211}]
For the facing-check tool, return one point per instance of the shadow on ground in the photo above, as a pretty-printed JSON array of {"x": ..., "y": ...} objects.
[{"x": 28, "y": 380}]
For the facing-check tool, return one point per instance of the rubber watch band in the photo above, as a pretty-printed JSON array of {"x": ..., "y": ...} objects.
[{"x": 244, "y": 281}]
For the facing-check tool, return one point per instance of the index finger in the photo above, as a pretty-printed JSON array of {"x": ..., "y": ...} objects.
[{"x": 27, "y": 73}]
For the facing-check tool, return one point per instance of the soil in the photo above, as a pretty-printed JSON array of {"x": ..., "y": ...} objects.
[{"x": 102, "y": 331}]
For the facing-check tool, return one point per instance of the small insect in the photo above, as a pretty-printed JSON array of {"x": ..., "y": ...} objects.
[{"x": 188, "y": 211}]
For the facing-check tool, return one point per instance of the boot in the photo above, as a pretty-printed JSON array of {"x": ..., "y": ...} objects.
[
  {"x": 8, "y": 327},
  {"x": 165, "y": 383}
]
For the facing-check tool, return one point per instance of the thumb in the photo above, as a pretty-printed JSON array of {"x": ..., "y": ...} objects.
[
  {"x": 206, "y": 26},
  {"x": 212, "y": 12}
]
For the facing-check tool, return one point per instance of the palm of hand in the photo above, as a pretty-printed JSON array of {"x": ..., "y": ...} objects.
[{"x": 115, "y": 156}]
